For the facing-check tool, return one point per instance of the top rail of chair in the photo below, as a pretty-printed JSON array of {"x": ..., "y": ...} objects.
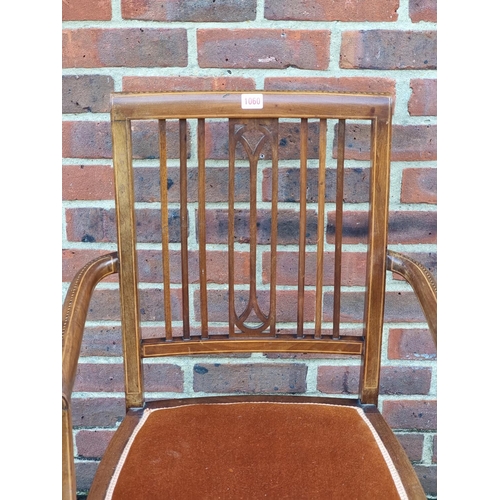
[{"x": 253, "y": 104}]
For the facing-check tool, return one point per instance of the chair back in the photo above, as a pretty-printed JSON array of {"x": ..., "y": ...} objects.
[{"x": 251, "y": 223}]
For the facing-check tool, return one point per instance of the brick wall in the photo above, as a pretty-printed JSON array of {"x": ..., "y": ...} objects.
[{"x": 148, "y": 45}]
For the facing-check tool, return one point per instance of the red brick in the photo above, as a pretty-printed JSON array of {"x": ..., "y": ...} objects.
[
  {"x": 393, "y": 380},
  {"x": 90, "y": 10},
  {"x": 151, "y": 266},
  {"x": 434, "y": 450},
  {"x": 94, "y": 224},
  {"x": 190, "y": 10},
  {"x": 388, "y": 49},
  {"x": 129, "y": 47},
  {"x": 92, "y": 139},
  {"x": 423, "y": 99},
  {"x": 410, "y": 414},
  {"x": 85, "y": 472},
  {"x": 87, "y": 182},
  {"x": 399, "y": 307},
  {"x": 92, "y": 443},
  {"x": 98, "y": 412},
  {"x": 356, "y": 185},
  {"x": 287, "y": 233},
  {"x": 409, "y": 142},
  {"x": 102, "y": 341},
  {"x": 74, "y": 260},
  {"x": 251, "y": 378},
  {"x": 108, "y": 377},
  {"x": 331, "y": 84},
  {"x": 428, "y": 478},
  {"x": 413, "y": 445},
  {"x": 86, "y": 93},
  {"x": 287, "y": 265},
  {"x": 325, "y": 10},
  {"x": 423, "y": 10},
  {"x": 419, "y": 185},
  {"x": 263, "y": 48},
  {"x": 410, "y": 344},
  {"x": 185, "y": 83},
  {"x": 404, "y": 227},
  {"x": 105, "y": 305}
]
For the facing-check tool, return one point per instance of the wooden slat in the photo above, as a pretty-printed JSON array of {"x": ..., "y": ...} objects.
[
  {"x": 184, "y": 228},
  {"x": 339, "y": 207},
  {"x": 129, "y": 296},
  {"x": 302, "y": 228},
  {"x": 157, "y": 347},
  {"x": 320, "y": 231},
  {"x": 274, "y": 225},
  {"x": 376, "y": 260},
  {"x": 162, "y": 129},
  {"x": 202, "y": 256},
  {"x": 230, "y": 227}
]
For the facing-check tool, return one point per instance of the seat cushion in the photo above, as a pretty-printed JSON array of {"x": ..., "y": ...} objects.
[{"x": 255, "y": 450}]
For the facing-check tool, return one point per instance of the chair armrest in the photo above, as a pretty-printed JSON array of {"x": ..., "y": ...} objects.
[
  {"x": 422, "y": 282},
  {"x": 74, "y": 311}
]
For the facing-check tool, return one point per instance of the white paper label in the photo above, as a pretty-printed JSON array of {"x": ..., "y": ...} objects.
[{"x": 252, "y": 101}]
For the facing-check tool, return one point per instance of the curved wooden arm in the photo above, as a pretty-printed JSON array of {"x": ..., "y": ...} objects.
[
  {"x": 422, "y": 282},
  {"x": 75, "y": 310}
]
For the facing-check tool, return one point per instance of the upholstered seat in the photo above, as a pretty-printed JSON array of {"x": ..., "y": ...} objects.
[
  {"x": 245, "y": 447},
  {"x": 252, "y": 449}
]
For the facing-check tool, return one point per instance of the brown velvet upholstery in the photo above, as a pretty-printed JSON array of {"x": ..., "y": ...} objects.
[{"x": 255, "y": 450}]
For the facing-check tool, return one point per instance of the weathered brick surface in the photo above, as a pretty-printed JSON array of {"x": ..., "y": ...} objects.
[
  {"x": 419, "y": 185},
  {"x": 388, "y": 49},
  {"x": 85, "y": 472},
  {"x": 393, "y": 380},
  {"x": 90, "y": 10},
  {"x": 413, "y": 445},
  {"x": 356, "y": 185},
  {"x": 409, "y": 142},
  {"x": 324, "y": 10},
  {"x": 331, "y": 84},
  {"x": 411, "y": 414},
  {"x": 109, "y": 377},
  {"x": 139, "y": 47},
  {"x": 88, "y": 182},
  {"x": 287, "y": 264},
  {"x": 423, "y": 10},
  {"x": 423, "y": 99},
  {"x": 97, "y": 412},
  {"x": 86, "y": 93},
  {"x": 185, "y": 83},
  {"x": 99, "y": 225},
  {"x": 404, "y": 227},
  {"x": 263, "y": 48},
  {"x": 190, "y": 10},
  {"x": 92, "y": 139},
  {"x": 428, "y": 478},
  {"x": 414, "y": 344},
  {"x": 102, "y": 341},
  {"x": 251, "y": 378},
  {"x": 92, "y": 444}
]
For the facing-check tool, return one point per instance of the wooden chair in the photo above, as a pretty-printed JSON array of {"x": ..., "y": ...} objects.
[{"x": 266, "y": 446}]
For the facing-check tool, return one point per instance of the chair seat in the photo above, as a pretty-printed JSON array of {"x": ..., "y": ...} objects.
[{"x": 245, "y": 450}]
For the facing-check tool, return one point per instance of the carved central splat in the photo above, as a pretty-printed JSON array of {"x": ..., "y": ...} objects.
[{"x": 255, "y": 136}]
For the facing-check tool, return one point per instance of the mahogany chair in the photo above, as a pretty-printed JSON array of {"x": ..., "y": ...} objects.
[{"x": 267, "y": 446}]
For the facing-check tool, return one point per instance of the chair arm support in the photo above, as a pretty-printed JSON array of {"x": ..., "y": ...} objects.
[
  {"x": 422, "y": 282},
  {"x": 74, "y": 311}
]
